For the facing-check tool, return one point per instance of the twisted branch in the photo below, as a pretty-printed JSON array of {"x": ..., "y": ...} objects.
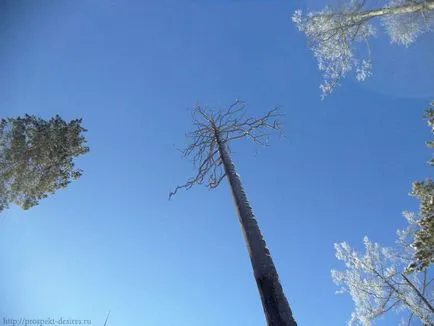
[{"x": 229, "y": 125}]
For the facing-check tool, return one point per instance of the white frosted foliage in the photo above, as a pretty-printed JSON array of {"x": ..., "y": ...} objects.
[
  {"x": 374, "y": 280},
  {"x": 339, "y": 38}
]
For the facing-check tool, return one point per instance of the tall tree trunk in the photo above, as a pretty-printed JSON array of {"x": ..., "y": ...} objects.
[{"x": 274, "y": 302}]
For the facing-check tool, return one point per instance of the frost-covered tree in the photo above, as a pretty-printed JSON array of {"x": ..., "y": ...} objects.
[
  {"x": 211, "y": 156},
  {"x": 378, "y": 282},
  {"x": 424, "y": 192},
  {"x": 398, "y": 278},
  {"x": 336, "y": 35},
  {"x": 36, "y": 158}
]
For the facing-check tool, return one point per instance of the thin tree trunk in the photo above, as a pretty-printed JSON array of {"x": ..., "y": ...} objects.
[
  {"x": 404, "y": 9},
  {"x": 274, "y": 302}
]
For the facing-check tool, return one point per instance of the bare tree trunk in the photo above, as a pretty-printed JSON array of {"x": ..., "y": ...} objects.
[
  {"x": 404, "y": 9},
  {"x": 274, "y": 302}
]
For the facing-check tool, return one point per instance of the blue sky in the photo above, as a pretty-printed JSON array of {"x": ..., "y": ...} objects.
[{"x": 132, "y": 69}]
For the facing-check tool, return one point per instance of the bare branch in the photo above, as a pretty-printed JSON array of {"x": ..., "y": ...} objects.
[
  {"x": 428, "y": 304},
  {"x": 410, "y": 318},
  {"x": 229, "y": 125}
]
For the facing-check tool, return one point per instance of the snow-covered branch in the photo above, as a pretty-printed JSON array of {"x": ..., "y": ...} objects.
[
  {"x": 337, "y": 36},
  {"x": 377, "y": 284}
]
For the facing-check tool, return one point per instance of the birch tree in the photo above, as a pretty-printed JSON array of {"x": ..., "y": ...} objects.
[
  {"x": 36, "y": 158},
  {"x": 209, "y": 149},
  {"x": 398, "y": 278},
  {"x": 378, "y": 280},
  {"x": 339, "y": 37}
]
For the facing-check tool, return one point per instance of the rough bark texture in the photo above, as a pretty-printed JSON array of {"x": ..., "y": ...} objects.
[{"x": 275, "y": 304}]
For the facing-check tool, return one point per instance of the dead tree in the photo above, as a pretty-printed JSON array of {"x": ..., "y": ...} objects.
[{"x": 210, "y": 154}]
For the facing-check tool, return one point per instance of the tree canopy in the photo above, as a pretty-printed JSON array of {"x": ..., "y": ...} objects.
[
  {"x": 424, "y": 191},
  {"x": 394, "y": 278},
  {"x": 335, "y": 35},
  {"x": 36, "y": 158},
  {"x": 377, "y": 282}
]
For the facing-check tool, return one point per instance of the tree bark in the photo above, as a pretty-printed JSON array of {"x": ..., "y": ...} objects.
[
  {"x": 404, "y": 9},
  {"x": 274, "y": 302}
]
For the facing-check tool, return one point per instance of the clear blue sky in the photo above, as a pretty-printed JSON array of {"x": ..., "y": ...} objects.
[{"x": 132, "y": 69}]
